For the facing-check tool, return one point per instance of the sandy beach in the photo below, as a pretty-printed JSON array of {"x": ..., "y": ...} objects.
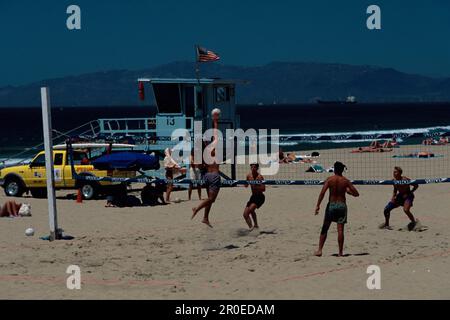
[{"x": 159, "y": 253}]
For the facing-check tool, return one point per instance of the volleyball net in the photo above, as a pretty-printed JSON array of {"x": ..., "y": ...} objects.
[
  {"x": 368, "y": 159},
  {"x": 424, "y": 157}
]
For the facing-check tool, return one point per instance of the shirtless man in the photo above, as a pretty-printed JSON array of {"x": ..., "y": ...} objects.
[
  {"x": 402, "y": 196},
  {"x": 257, "y": 199},
  {"x": 195, "y": 174},
  {"x": 212, "y": 176},
  {"x": 337, "y": 208}
]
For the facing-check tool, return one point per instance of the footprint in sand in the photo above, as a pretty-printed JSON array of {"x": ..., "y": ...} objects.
[
  {"x": 419, "y": 227},
  {"x": 254, "y": 233}
]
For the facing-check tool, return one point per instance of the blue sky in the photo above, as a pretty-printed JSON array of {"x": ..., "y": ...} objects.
[{"x": 133, "y": 34}]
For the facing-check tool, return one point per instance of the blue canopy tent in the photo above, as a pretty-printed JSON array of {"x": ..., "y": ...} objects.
[{"x": 126, "y": 161}]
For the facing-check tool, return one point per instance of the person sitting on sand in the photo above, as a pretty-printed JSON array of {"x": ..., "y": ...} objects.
[
  {"x": 375, "y": 145},
  {"x": 291, "y": 157},
  {"x": 394, "y": 142},
  {"x": 388, "y": 144},
  {"x": 286, "y": 158},
  {"x": 257, "y": 198},
  {"x": 153, "y": 194},
  {"x": 10, "y": 209},
  {"x": 443, "y": 140},
  {"x": 336, "y": 210},
  {"x": 402, "y": 196},
  {"x": 281, "y": 157}
]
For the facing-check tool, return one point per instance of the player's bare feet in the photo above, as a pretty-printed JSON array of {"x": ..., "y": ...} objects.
[
  {"x": 341, "y": 254},
  {"x": 412, "y": 225},
  {"x": 384, "y": 226},
  {"x": 207, "y": 223},
  {"x": 318, "y": 253}
]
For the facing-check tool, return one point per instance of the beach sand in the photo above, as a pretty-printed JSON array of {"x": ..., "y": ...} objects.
[{"x": 160, "y": 253}]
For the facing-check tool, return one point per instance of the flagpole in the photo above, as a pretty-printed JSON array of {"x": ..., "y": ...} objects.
[{"x": 197, "y": 65}]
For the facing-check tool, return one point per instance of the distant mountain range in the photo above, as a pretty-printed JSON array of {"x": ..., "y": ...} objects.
[{"x": 276, "y": 82}]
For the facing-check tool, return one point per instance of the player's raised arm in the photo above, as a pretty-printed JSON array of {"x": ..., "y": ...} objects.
[{"x": 215, "y": 119}]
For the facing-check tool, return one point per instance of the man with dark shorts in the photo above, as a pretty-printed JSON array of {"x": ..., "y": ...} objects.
[
  {"x": 212, "y": 176},
  {"x": 257, "y": 198},
  {"x": 402, "y": 196},
  {"x": 336, "y": 210}
]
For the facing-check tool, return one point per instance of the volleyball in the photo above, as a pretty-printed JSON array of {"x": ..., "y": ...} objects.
[
  {"x": 29, "y": 232},
  {"x": 177, "y": 200}
]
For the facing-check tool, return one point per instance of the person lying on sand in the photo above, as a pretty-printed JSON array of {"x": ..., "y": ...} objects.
[
  {"x": 257, "y": 198},
  {"x": 336, "y": 210},
  {"x": 422, "y": 154},
  {"x": 390, "y": 144},
  {"x": 371, "y": 149},
  {"x": 402, "y": 196},
  {"x": 10, "y": 209}
]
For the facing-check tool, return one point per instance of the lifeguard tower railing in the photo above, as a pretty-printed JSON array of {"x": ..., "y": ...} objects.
[{"x": 142, "y": 131}]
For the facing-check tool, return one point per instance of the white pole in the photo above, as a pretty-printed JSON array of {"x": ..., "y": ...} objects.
[{"x": 49, "y": 169}]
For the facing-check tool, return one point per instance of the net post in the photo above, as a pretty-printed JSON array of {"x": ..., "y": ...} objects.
[
  {"x": 233, "y": 164},
  {"x": 49, "y": 167}
]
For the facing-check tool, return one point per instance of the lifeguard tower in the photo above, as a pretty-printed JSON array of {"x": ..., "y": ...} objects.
[{"x": 179, "y": 103}]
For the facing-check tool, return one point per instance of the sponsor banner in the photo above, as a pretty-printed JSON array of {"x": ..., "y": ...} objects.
[{"x": 230, "y": 182}]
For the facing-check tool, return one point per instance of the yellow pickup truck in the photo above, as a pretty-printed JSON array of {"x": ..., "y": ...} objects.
[{"x": 16, "y": 180}]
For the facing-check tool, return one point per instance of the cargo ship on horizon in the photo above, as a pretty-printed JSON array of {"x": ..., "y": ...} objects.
[{"x": 348, "y": 100}]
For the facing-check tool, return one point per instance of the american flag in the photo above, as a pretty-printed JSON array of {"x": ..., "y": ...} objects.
[{"x": 204, "y": 55}]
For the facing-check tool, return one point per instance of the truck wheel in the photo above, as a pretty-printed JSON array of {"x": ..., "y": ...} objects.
[
  {"x": 39, "y": 193},
  {"x": 14, "y": 188},
  {"x": 89, "y": 190}
]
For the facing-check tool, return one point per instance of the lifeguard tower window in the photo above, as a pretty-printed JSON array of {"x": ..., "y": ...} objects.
[
  {"x": 189, "y": 101},
  {"x": 167, "y": 97},
  {"x": 222, "y": 94},
  {"x": 199, "y": 98}
]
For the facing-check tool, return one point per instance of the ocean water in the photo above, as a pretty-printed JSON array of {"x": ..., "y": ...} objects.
[{"x": 21, "y": 128}]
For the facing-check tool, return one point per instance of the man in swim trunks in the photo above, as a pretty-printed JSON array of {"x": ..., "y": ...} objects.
[
  {"x": 212, "y": 176},
  {"x": 337, "y": 208},
  {"x": 403, "y": 196},
  {"x": 257, "y": 198}
]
